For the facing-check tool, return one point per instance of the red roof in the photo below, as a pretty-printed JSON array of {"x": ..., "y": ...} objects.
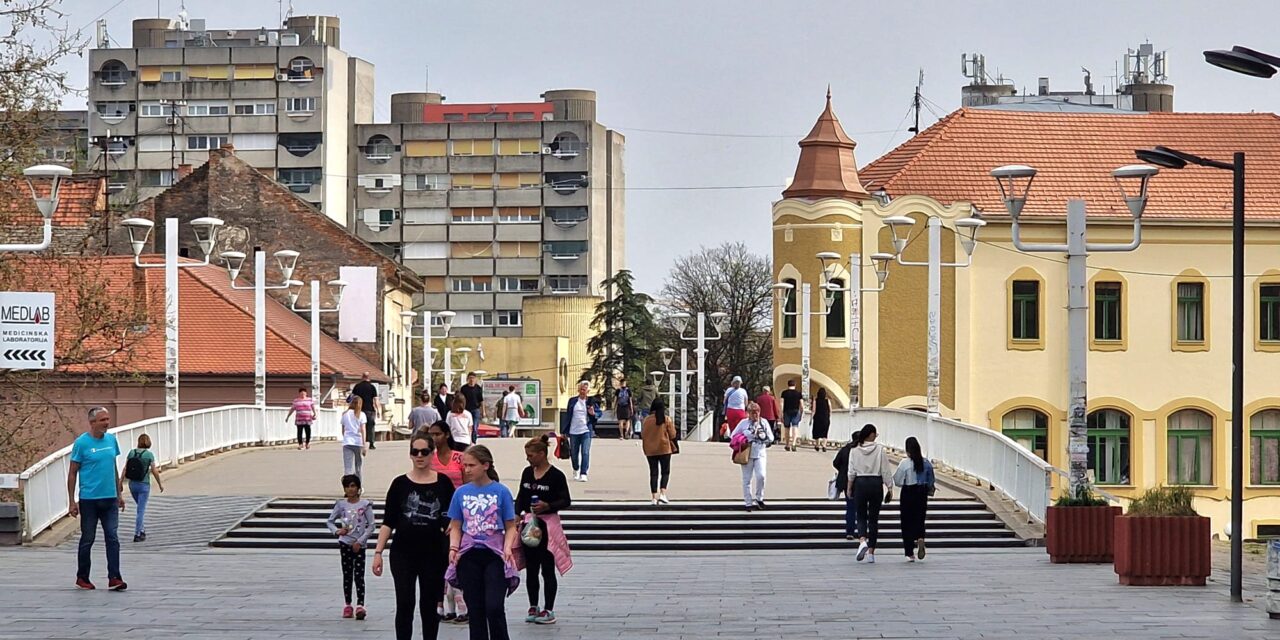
[
  {"x": 79, "y": 198},
  {"x": 1074, "y": 154},
  {"x": 216, "y": 335}
]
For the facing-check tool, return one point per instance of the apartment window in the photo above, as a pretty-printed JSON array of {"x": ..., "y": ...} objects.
[
  {"x": 155, "y": 110},
  {"x": 156, "y": 143},
  {"x": 426, "y": 251},
  {"x": 465, "y": 250},
  {"x": 519, "y": 180},
  {"x": 204, "y": 73},
  {"x": 1269, "y": 312},
  {"x": 1264, "y": 447},
  {"x": 471, "y": 285},
  {"x": 508, "y": 318},
  {"x": 163, "y": 178},
  {"x": 254, "y": 141},
  {"x": 789, "y": 310},
  {"x": 482, "y": 319},
  {"x": 523, "y": 147},
  {"x": 517, "y": 285},
  {"x": 1106, "y": 315},
  {"x": 426, "y": 216},
  {"x": 1190, "y": 312},
  {"x": 300, "y": 144},
  {"x": 254, "y": 72},
  {"x": 835, "y": 308},
  {"x": 113, "y": 109},
  {"x": 301, "y": 69},
  {"x": 300, "y": 180},
  {"x": 453, "y": 117},
  {"x": 1190, "y": 451},
  {"x": 566, "y": 284},
  {"x": 518, "y": 214},
  {"x": 255, "y": 109},
  {"x": 473, "y": 215},
  {"x": 300, "y": 105},
  {"x": 566, "y": 183},
  {"x": 565, "y": 249},
  {"x": 201, "y": 143},
  {"x": 117, "y": 147},
  {"x": 566, "y": 145},
  {"x": 117, "y": 181},
  {"x": 379, "y": 219},
  {"x": 171, "y": 74},
  {"x": 466, "y": 181},
  {"x": 519, "y": 249},
  {"x": 1108, "y": 431},
  {"x": 472, "y": 147},
  {"x": 524, "y": 115},
  {"x": 567, "y": 216},
  {"x": 379, "y": 148},
  {"x": 201, "y": 109},
  {"x": 1029, "y": 428},
  {"x": 426, "y": 182},
  {"x": 113, "y": 73},
  {"x": 1026, "y": 309},
  {"x": 425, "y": 148}
]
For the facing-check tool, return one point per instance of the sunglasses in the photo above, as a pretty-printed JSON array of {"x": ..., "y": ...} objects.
[{"x": 419, "y": 452}]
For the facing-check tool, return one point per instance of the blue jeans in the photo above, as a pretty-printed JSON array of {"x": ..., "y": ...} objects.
[
  {"x": 141, "y": 493},
  {"x": 475, "y": 424},
  {"x": 580, "y": 451},
  {"x": 92, "y": 512},
  {"x": 850, "y": 516},
  {"x": 506, "y": 427}
]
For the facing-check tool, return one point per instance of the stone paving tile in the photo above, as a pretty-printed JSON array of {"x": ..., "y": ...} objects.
[{"x": 801, "y": 594}]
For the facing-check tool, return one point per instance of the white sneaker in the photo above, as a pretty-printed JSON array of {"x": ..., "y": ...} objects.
[
  {"x": 577, "y": 476},
  {"x": 655, "y": 502},
  {"x": 862, "y": 551},
  {"x": 663, "y": 499},
  {"x": 583, "y": 478},
  {"x": 871, "y": 558}
]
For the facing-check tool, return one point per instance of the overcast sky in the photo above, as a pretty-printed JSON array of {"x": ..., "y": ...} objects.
[{"x": 747, "y": 77}]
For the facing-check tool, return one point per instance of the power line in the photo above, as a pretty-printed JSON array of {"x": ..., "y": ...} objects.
[{"x": 711, "y": 134}]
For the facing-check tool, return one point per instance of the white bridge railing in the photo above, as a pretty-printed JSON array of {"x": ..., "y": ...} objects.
[
  {"x": 976, "y": 451},
  {"x": 199, "y": 433}
]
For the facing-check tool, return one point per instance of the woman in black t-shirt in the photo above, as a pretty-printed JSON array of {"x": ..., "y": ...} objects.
[
  {"x": 548, "y": 485},
  {"x": 416, "y": 510}
]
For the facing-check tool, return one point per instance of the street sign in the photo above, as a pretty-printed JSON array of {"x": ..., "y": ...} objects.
[{"x": 26, "y": 330}]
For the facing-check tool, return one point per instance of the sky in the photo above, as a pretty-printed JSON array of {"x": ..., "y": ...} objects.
[{"x": 712, "y": 95}]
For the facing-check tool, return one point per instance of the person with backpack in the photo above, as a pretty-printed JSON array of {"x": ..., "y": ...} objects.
[
  {"x": 139, "y": 468},
  {"x": 624, "y": 410},
  {"x": 915, "y": 476},
  {"x": 871, "y": 484}
]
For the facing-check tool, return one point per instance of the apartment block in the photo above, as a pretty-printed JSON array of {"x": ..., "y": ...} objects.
[
  {"x": 490, "y": 203},
  {"x": 287, "y": 99}
]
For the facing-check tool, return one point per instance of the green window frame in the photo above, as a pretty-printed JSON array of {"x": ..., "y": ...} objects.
[
  {"x": 1190, "y": 451},
  {"x": 1026, "y": 309},
  {"x": 1109, "y": 450},
  {"x": 1264, "y": 447},
  {"x": 1106, "y": 315},
  {"x": 1029, "y": 428},
  {"x": 1190, "y": 312},
  {"x": 836, "y": 322},
  {"x": 1269, "y": 313},
  {"x": 789, "y": 310}
]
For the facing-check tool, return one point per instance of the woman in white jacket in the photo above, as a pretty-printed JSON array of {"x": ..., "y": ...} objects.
[
  {"x": 353, "y": 444},
  {"x": 871, "y": 485},
  {"x": 759, "y": 434}
]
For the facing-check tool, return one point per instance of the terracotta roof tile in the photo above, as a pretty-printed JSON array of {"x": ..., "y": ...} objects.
[
  {"x": 79, "y": 198},
  {"x": 1074, "y": 154}
]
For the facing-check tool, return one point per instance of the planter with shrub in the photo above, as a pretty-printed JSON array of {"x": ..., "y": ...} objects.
[
  {"x": 1079, "y": 528},
  {"x": 1162, "y": 541}
]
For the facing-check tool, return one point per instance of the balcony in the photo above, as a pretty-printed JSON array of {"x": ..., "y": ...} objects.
[
  {"x": 567, "y": 217},
  {"x": 565, "y": 250}
]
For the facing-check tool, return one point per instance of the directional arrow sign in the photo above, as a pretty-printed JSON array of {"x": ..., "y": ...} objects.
[{"x": 26, "y": 330}]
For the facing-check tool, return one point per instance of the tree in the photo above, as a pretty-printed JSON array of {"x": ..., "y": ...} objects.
[
  {"x": 729, "y": 279},
  {"x": 32, "y": 45},
  {"x": 625, "y": 334}
]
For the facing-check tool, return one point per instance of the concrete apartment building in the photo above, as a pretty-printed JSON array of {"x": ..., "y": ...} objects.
[
  {"x": 287, "y": 99},
  {"x": 490, "y": 203}
]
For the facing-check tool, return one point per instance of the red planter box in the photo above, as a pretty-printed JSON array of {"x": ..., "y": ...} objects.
[
  {"x": 1080, "y": 534},
  {"x": 1162, "y": 551}
]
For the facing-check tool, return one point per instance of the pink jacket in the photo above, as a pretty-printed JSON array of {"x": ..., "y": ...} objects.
[
  {"x": 557, "y": 543},
  {"x": 738, "y": 442}
]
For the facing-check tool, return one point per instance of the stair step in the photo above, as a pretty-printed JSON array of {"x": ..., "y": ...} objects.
[
  {"x": 664, "y": 545},
  {"x": 575, "y": 525},
  {"x": 666, "y": 535}
]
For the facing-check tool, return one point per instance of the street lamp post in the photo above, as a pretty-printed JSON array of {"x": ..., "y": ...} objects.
[
  {"x": 446, "y": 321},
  {"x": 855, "y": 290},
  {"x": 295, "y": 288},
  {"x": 1015, "y": 182},
  {"x": 719, "y": 321},
  {"x": 287, "y": 261},
  {"x": 464, "y": 354},
  {"x": 1173, "y": 159},
  {"x": 782, "y": 291},
  {"x": 46, "y": 205},
  {"x": 679, "y": 403},
  {"x": 967, "y": 229},
  {"x": 206, "y": 231}
]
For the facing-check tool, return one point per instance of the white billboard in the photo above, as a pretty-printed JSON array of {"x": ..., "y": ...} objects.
[
  {"x": 26, "y": 330},
  {"x": 358, "y": 317}
]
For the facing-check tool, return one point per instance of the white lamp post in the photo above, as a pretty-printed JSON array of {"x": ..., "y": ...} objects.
[
  {"x": 206, "y": 231},
  {"x": 464, "y": 354},
  {"x": 336, "y": 288},
  {"x": 720, "y": 321},
  {"x": 446, "y": 321},
  {"x": 880, "y": 261},
  {"x": 967, "y": 229},
  {"x": 1015, "y": 182},
  {"x": 287, "y": 261},
  {"x": 678, "y": 391},
  {"x": 783, "y": 291},
  {"x": 47, "y": 205}
]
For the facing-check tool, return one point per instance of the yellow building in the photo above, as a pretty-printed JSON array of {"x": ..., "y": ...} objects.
[{"x": 1159, "y": 359}]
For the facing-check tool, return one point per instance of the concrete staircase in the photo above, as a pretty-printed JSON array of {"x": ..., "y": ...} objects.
[{"x": 297, "y": 523}]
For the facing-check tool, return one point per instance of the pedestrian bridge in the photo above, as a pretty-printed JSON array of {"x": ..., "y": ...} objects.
[{"x": 701, "y": 472}]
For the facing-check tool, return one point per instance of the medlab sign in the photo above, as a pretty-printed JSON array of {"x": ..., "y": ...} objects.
[{"x": 26, "y": 330}]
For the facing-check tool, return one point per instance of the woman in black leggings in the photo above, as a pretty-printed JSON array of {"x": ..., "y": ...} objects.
[
  {"x": 544, "y": 492},
  {"x": 417, "y": 511}
]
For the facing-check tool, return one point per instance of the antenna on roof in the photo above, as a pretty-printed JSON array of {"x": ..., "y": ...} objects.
[{"x": 915, "y": 103}]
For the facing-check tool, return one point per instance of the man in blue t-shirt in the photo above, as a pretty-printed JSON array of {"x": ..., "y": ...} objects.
[{"x": 93, "y": 464}]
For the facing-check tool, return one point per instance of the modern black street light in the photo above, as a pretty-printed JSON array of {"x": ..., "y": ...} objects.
[
  {"x": 1173, "y": 159},
  {"x": 1244, "y": 60}
]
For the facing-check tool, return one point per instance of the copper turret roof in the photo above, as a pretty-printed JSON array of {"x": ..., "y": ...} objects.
[{"x": 826, "y": 168}]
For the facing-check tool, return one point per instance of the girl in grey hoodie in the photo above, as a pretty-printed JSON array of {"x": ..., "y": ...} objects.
[{"x": 871, "y": 485}]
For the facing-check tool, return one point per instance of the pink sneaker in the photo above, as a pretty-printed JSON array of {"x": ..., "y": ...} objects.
[{"x": 347, "y": 612}]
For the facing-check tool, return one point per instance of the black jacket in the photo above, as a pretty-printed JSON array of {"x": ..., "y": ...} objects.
[
  {"x": 841, "y": 463},
  {"x": 442, "y": 408}
]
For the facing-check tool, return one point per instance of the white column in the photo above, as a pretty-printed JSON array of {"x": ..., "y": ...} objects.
[
  {"x": 260, "y": 340},
  {"x": 426, "y": 351},
  {"x": 683, "y": 398},
  {"x": 1077, "y": 343},
  {"x": 855, "y": 331},
  {"x": 805, "y": 322},
  {"x": 171, "y": 333},
  {"x": 448, "y": 367},
  {"x": 701, "y": 409},
  {"x": 315, "y": 341},
  {"x": 933, "y": 370}
]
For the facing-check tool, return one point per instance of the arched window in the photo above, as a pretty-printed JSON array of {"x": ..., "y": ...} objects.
[
  {"x": 379, "y": 149},
  {"x": 1109, "y": 446},
  {"x": 1029, "y": 428},
  {"x": 789, "y": 310},
  {"x": 835, "y": 308},
  {"x": 301, "y": 68},
  {"x": 1264, "y": 447},
  {"x": 1190, "y": 452},
  {"x": 113, "y": 73},
  {"x": 566, "y": 145}
]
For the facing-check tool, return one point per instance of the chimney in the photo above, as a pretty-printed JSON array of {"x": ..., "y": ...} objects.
[
  {"x": 1044, "y": 87},
  {"x": 184, "y": 170}
]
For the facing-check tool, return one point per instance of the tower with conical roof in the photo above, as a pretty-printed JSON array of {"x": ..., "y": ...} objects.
[{"x": 820, "y": 210}]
